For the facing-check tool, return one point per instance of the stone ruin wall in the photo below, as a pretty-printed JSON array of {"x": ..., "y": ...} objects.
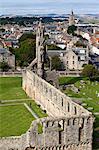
[
  {"x": 61, "y": 133},
  {"x": 68, "y": 127},
  {"x": 14, "y": 142},
  {"x": 51, "y": 99}
]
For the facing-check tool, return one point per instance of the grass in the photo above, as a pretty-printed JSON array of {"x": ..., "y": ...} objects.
[
  {"x": 10, "y": 88},
  {"x": 88, "y": 95},
  {"x": 68, "y": 80},
  {"x": 40, "y": 128},
  {"x": 40, "y": 113},
  {"x": 14, "y": 120}
]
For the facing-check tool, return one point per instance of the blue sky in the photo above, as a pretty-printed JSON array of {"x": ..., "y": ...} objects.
[{"x": 48, "y": 6}]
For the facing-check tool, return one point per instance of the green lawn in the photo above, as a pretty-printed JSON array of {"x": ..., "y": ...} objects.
[
  {"x": 68, "y": 80},
  {"x": 10, "y": 88},
  {"x": 14, "y": 120}
]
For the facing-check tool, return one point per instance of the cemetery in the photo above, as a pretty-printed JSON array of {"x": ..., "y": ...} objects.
[{"x": 88, "y": 97}]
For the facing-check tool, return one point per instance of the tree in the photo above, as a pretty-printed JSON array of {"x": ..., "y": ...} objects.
[
  {"x": 56, "y": 63},
  {"x": 90, "y": 71},
  {"x": 26, "y": 52},
  {"x": 80, "y": 44},
  {"x": 27, "y": 36},
  {"x": 4, "y": 66},
  {"x": 53, "y": 47},
  {"x": 71, "y": 29}
]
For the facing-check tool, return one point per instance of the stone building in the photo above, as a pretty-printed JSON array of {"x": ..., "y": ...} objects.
[
  {"x": 8, "y": 57},
  {"x": 76, "y": 58},
  {"x": 71, "y": 19}
]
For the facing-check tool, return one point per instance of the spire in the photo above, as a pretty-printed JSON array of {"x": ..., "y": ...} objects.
[
  {"x": 72, "y": 13},
  {"x": 71, "y": 18}
]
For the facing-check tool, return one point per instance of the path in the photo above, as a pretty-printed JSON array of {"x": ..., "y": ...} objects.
[
  {"x": 26, "y": 106},
  {"x": 31, "y": 111},
  {"x": 16, "y": 100},
  {"x": 11, "y": 104}
]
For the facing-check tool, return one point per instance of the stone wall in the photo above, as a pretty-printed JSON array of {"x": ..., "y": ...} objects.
[
  {"x": 69, "y": 124},
  {"x": 15, "y": 142},
  {"x": 61, "y": 131},
  {"x": 51, "y": 99},
  {"x": 68, "y": 127},
  {"x": 10, "y": 142}
]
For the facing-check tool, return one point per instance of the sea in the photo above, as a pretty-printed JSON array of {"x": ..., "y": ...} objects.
[{"x": 23, "y": 8}]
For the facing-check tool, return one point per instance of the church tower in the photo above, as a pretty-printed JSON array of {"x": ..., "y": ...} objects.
[
  {"x": 40, "y": 49},
  {"x": 72, "y": 19}
]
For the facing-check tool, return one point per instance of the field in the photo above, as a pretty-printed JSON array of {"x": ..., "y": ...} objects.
[
  {"x": 88, "y": 95},
  {"x": 10, "y": 89},
  {"x": 15, "y": 118}
]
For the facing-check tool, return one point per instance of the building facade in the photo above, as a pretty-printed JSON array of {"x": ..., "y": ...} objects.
[
  {"x": 76, "y": 58},
  {"x": 8, "y": 57}
]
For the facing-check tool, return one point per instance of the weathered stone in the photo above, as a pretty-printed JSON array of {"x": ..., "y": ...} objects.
[
  {"x": 68, "y": 127},
  {"x": 84, "y": 104}
]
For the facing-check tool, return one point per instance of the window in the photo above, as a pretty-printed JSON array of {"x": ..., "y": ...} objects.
[
  {"x": 68, "y": 107},
  {"x": 62, "y": 102},
  {"x": 73, "y": 62},
  {"x": 73, "y": 121},
  {"x": 73, "y": 57},
  {"x": 68, "y": 122},
  {"x": 67, "y": 62},
  {"x": 75, "y": 110}
]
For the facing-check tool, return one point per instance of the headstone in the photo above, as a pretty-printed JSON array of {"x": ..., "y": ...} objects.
[
  {"x": 90, "y": 108},
  {"x": 84, "y": 104},
  {"x": 98, "y": 95},
  {"x": 89, "y": 98},
  {"x": 96, "y": 83}
]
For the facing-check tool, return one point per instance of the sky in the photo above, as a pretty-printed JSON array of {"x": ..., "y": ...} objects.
[{"x": 48, "y": 6}]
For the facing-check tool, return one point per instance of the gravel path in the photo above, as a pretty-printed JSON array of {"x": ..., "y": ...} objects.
[
  {"x": 13, "y": 104},
  {"x": 16, "y": 100}
]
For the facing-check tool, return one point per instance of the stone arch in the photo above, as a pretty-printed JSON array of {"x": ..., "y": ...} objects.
[
  {"x": 62, "y": 102},
  {"x": 80, "y": 134},
  {"x": 68, "y": 107},
  {"x": 75, "y": 110},
  {"x": 68, "y": 122}
]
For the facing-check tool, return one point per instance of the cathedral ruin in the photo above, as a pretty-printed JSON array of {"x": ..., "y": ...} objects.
[{"x": 68, "y": 126}]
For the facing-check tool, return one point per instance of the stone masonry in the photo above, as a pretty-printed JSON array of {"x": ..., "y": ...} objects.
[{"x": 68, "y": 127}]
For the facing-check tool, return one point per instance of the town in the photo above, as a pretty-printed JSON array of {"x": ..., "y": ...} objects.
[
  {"x": 74, "y": 43},
  {"x": 55, "y": 59}
]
